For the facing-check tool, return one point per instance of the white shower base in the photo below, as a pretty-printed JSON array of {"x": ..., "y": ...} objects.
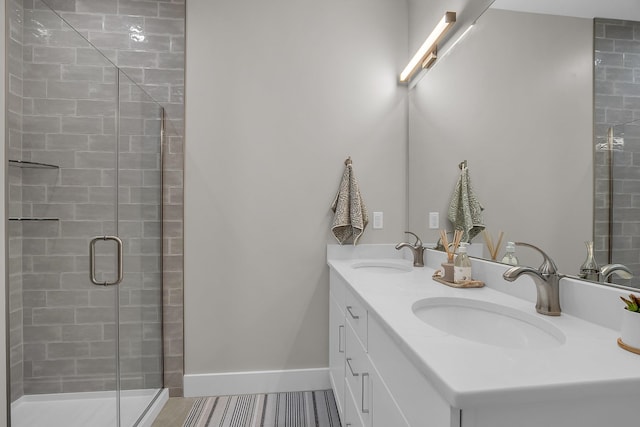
[{"x": 95, "y": 409}]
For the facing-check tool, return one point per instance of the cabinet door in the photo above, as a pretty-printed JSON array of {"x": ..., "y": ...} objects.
[
  {"x": 416, "y": 397},
  {"x": 385, "y": 411},
  {"x": 351, "y": 411},
  {"x": 357, "y": 374},
  {"x": 337, "y": 352}
]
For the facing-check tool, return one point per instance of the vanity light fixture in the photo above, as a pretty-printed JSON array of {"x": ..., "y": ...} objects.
[{"x": 426, "y": 55}]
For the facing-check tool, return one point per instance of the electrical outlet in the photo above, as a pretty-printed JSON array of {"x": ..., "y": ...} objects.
[
  {"x": 378, "y": 218},
  {"x": 434, "y": 220}
]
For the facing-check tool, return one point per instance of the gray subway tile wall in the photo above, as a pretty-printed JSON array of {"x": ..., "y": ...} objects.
[
  {"x": 66, "y": 115},
  {"x": 617, "y": 101}
]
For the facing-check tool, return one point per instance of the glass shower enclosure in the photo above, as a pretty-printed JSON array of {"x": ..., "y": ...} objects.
[{"x": 85, "y": 231}]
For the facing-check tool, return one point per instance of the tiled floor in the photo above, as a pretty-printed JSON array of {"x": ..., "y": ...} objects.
[{"x": 174, "y": 412}]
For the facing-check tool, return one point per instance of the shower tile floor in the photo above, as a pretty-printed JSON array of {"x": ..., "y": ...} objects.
[{"x": 95, "y": 409}]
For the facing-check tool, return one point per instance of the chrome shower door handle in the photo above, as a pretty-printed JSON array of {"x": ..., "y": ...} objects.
[{"x": 92, "y": 260}]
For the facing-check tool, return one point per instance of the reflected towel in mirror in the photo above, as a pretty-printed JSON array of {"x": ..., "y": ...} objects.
[{"x": 465, "y": 211}]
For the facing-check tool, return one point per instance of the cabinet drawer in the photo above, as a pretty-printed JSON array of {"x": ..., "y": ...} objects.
[
  {"x": 356, "y": 316},
  {"x": 357, "y": 374}
]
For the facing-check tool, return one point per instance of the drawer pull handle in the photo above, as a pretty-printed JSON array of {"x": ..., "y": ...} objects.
[
  {"x": 351, "y": 313},
  {"x": 340, "y": 349},
  {"x": 355, "y": 374},
  {"x": 364, "y": 411}
]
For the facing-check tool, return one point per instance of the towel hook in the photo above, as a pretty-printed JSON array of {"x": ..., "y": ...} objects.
[
  {"x": 348, "y": 161},
  {"x": 463, "y": 165}
]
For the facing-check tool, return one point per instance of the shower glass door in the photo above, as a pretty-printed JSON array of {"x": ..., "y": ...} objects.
[
  {"x": 62, "y": 173},
  {"x": 139, "y": 221}
]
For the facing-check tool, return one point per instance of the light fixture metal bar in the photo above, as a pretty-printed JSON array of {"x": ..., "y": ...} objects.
[
  {"x": 430, "y": 59},
  {"x": 428, "y": 46}
]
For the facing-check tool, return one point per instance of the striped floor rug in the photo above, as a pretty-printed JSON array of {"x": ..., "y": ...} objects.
[{"x": 300, "y": 409}]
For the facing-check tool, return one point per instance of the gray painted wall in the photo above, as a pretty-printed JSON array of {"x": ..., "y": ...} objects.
[
  {"x": 516, "y": 102},
  {"x": 278, "y": 95}
]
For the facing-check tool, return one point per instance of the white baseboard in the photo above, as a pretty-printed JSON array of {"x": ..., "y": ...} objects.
[{"x": 256, "y": 382}]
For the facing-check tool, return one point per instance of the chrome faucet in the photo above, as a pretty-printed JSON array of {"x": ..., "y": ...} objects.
[
  {"x": 416, "y": 248},
  {"x": 546, "y": 279},
  {"x": 620, "y": 270}
]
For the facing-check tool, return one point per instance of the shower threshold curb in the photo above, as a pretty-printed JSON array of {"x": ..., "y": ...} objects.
[{"x": 152, "y": 401}]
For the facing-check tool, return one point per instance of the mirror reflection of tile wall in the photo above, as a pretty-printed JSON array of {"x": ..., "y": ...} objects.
[{"x": 617, "y": 102}]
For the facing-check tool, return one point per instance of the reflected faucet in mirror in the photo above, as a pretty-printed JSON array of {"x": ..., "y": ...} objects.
[
  {"x": 589, "y": 270},
  {"x": 620, "y": 270},
  {"x": 546, "y": 279},
  {"x": 417, "y": 249}
]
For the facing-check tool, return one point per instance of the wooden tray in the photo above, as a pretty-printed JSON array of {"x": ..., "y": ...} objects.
[
  {"x": 470, "y": 284},
  {"x": 628, "y": 347}
]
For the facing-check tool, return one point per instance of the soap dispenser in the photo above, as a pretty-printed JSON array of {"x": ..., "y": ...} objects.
[
  {"x": 510, "y": 255},
  {"x": 589, "y": 269},
  {"x": 462, "y": 265}
]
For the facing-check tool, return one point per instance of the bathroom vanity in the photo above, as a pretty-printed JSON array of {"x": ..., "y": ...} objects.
[{"x": 408, "y": 351}]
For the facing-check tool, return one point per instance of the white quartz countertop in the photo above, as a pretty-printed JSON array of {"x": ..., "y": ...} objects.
[{"x": 471, "y": 374}]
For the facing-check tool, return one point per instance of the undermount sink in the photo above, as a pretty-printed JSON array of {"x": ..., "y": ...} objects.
[
  {"x": 384, "y": 266},
  {"x": 488, "y": 323}
]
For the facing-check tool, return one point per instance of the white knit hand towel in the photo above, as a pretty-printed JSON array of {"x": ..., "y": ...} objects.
[{"x": 350, "y": 218}]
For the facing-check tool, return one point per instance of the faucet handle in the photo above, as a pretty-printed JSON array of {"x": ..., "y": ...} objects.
[
  {"x": 548, "y": 266},
  {"x": 418, "y": 241}
]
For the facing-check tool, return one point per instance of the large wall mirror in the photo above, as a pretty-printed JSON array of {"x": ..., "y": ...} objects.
[{"x": 515, "y": 99}]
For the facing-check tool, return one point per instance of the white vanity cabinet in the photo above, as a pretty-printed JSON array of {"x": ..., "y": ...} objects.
[
  {"x": 390, "y": 369},
  {"x": 362, "y": 396}
]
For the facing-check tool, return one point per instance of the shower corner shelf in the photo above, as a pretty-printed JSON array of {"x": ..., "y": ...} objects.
[
  {"x": 32, "y": 165},
  {"x": 15, "y": 218}
]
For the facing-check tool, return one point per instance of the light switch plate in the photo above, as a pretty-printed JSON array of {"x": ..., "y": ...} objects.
[
  {"x": 378, "y": 218},
  {"x": 434, "y": 220}
]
